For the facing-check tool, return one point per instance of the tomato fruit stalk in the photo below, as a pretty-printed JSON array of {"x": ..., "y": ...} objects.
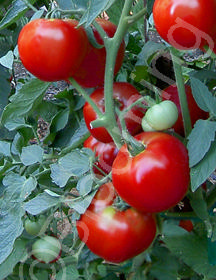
[{"x": 157, "y": 178}]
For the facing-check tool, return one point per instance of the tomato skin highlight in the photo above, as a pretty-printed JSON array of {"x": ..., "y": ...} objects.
[
  {"x": 116, "y": 235},
  {"x": 155, "y": 179},
  {"x": 52, "y": 49},
  {"x": 92, "y": 69},
  {"x": 106, "y": 153},
  {"x": 185, "y": 24},
  {"x": 124, "y": 94},
  {"x": 171, "y": 93}
]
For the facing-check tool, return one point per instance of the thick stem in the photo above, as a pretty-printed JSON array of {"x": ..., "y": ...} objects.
[{"x": 181, "y": 92}]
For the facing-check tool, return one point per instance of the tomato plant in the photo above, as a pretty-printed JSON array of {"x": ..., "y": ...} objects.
[
  {"x": 185, "y": 24},
  {"x": 196, "y": 113},
  {"x": 47, "y": 249},
  {"x": 52, "y": 50},
  {"x": 35, "y": 227},
  {"x": 105, "y": 152},
  {"x": 46, "y": 169},
  {"x": 160, "y": 116},
  {"x": 116, "y": 235},
  {"x": 124, "y": 95},
  {"x": 92, "y": 69},
  {"x": 152, "y": 181}
]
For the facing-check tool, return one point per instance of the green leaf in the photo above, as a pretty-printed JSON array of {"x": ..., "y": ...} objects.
[
  {"x": 16, "y": 11},
  {"x": 42, "y": 202},
  {"x": 28, "y": 96},
  {"x": 203, "y": 97},
  {"x": 69, "y": 272},
  {"x": 201, "y": 171},
  {"x": 19, "y": 252},
  {"x": 81, "y": 205},
  {"x": 200, "y": 139},
  {"x": 114, "y": 12},
  {"x": 31, "y": 154},
  {"x": 7, "y": 60},
  {"x": 93, "y": 9},
  {"x": 149, "y": 49},
  {"x": 5, "y": 148},
  {"x": 84, "y": 185},
  {"x": 16, "y": 189},
  {"x": 74, "y": 164},
  {"x": 190, "y": 248}
]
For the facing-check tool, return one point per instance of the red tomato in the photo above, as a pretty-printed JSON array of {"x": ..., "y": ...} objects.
[
  {"x": 92, "y": 69},
  {"x": 155, "y": 179},
  {"x": 52, "y": 49},
  {"x": 124, "y": 95},
  {"x": 171, "y": 93},
  {"x": 186, "y": 224},
  {"x": 106, "y": 153},
  {"x": 185, "y": 24},
  {"x": 116, "y": 235}
]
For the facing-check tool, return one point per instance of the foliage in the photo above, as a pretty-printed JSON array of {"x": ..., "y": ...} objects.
[{"x": 52, "y": 174}]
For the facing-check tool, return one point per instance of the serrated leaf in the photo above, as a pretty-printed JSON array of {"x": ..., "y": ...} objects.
[
  {"x": 200, "y": 139},
  {"x": 41, "y": 203},
  {"x": 74, "y": 164},
  {"x": 19, "y": 252},
  {"x": 81, "y": 205},
  {"x": 7, "y": 60},
  {"x": 28, "y": 96},
  {"x": 203, "y": 97},
  {"x": 69, "y": 272},
  {"x": 84, "y": 185},
  {"x": 190, "y": 248},
  {"x": 31, "y": 154},
  {"x": 17, "y": 10},
  {"x": 201, "y": 171}
]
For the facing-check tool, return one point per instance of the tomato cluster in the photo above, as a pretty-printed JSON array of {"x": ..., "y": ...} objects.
[
  {"x": 147, "y": 180},
  {"x": 56, "y": 49}
]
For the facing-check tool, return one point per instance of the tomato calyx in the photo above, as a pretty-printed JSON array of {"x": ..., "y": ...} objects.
[{"x": 134, "y": 147}]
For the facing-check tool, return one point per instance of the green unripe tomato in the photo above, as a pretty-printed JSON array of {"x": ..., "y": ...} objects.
[
  {"x": 35, "y": 227},
  {"x": 160, "y": 116},
  {"x": 46, "y": 249}
]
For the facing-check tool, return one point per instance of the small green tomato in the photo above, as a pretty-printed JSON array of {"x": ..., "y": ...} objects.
[
  {"x": 46, "y": 249},
  {"x": 35, "y": 227},
  {"x": 160, "y": 116}
]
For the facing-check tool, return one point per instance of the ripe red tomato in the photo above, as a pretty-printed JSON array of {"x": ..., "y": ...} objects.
[
  {"x": 155, "y": 179},
  {"x": 116, "y": 235},
  {"x": 124, "y": 95},
  {"x": 185, "y": 24},
  {"x": 171, "y": 93},
  {"x": 52, "y": 49},
  {"x": 106, "y": 153},
  {"x": 92, "y": 69}
]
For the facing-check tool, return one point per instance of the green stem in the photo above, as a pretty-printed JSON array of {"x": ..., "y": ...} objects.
[
  {"x": 112, "y": 46},
  {"x": 30, "y": 5},
  {"x": 181, "y": 92},
  {"x": 85, "y": 95}
]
